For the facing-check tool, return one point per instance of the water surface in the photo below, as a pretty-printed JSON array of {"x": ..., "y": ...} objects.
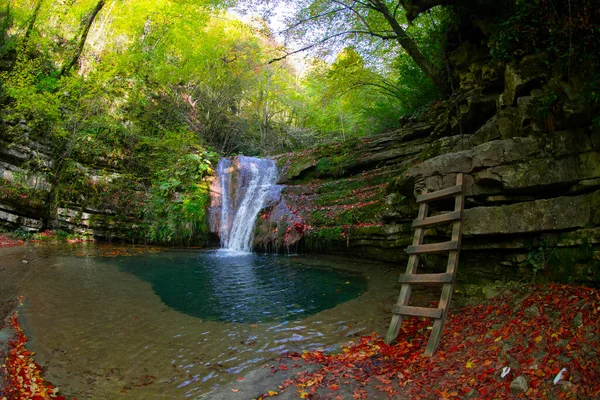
[
  {"x": 243, "y": 287},
  {"x": 176, "y": 324}
]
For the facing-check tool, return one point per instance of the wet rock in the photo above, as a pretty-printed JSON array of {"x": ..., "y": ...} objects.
[
  {"x": 16, "y": 220},
  {"x": 532, "y": 312},
  {"x": 595, "y": 138},
  {"x": 4, "y": 336},
  {"x": 519, "y": 385},
  {"x": 476, "y": 112}
]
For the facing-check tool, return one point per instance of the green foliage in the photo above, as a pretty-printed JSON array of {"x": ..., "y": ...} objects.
[
  {"x": 538, "y": 257},
  {"x": 19, "y": 194},
  {"x": 569, "y": 30},
  {"x": 22, "y": 233},
  {"x": 175, "y": 211}
]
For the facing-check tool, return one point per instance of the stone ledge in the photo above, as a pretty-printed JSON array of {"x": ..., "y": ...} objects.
[
  {"x": 560, "y": 213},
  {"x": 28, "y": 223}
]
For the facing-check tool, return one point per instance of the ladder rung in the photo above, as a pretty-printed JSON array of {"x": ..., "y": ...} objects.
[
  {"x": 433, "y": 248},
  {"x": 426, "y": 278},
  {"x": 438, "y": 219},
  {"x": 417, "y": 311},
  {"x": 440, "y": 194}
]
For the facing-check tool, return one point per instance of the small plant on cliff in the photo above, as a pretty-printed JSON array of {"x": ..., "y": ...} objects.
[
  {"x": 547, "y": 106},
  {"x": 538, "y": 257}
]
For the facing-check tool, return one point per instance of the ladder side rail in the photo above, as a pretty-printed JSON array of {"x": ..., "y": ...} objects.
[
  {"x": 448, "y": 288},
  {"x": 411, "y": 268}
]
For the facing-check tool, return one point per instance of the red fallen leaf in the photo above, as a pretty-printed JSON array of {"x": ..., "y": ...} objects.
[
  {"x": 469, "y": 336},
  {"x": 23, "y": 378}
]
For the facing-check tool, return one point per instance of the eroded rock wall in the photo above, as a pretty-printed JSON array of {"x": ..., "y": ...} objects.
[
  {"x": 27, "y": 201},
  {"x": 532, "y": 178}
]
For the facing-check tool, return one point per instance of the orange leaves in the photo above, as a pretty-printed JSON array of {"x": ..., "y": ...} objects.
[
  {"x": 478, "y": 342},
  {"x": 6, "y": 241},
  {"x": 22, "y": 374}
]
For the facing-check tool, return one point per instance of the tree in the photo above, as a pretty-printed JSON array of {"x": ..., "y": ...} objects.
[
  {"x": 481, "y": 8},
  {"x": 340, "y": 22},
  {"x": 86, "y": 25}
]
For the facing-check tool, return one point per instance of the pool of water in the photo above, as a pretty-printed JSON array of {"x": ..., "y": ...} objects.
[
  {"x": 241, "y": 287},
  {"x": 128, "y": 322}
]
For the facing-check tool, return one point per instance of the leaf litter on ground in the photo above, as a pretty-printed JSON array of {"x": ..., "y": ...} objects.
[{"x": 485, "y": 347}]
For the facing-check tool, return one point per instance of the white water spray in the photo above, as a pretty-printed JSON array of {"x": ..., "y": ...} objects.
[{"x": 239, "y": 207}]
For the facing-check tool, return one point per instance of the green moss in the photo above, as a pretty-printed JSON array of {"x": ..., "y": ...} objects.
[
  {"x": 330, "y": 166},
  {"x": 432, "y": 151},
  {"x": 574, "y": 264},
  {"x": 19, "y": 195},
  {"x": 324, "y": 237}
]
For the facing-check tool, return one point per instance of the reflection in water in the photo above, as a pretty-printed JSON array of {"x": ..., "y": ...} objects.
[{"x": 242, "y": 287}]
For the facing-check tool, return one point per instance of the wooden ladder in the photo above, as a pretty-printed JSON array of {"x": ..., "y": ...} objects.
[{"x": 446, "y": 279}]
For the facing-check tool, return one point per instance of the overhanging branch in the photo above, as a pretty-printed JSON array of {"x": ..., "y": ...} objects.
[{"x": 326, "y": 39}]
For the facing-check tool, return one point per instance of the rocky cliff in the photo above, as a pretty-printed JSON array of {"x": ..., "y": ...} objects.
[
  {"x": 529, "y": 147},
  {"x": 29, "y": 200}
]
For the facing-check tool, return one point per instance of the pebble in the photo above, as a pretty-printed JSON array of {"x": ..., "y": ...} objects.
[
  {"x": 25, "y": 262},
  {"x": 532, "y": 311},
  {"x": 519, "y": 385}
]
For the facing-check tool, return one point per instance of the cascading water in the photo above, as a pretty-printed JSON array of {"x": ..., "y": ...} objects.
[{"x": 245, "y": 186}]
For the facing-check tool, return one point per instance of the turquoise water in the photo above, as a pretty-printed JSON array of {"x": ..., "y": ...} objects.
[
  {"x": 239, "y": 287},
  {"x": 104, "y": 319}
]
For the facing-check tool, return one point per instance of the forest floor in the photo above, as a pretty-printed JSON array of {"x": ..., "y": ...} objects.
[{"x": 534, "y": 342}]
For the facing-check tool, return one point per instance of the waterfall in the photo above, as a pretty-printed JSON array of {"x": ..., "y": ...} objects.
[{"x": 245, "y": 185}]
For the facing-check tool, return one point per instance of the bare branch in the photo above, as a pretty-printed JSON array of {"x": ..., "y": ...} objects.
[
  {"x": 326, "y": 39},
  {"x": 312, "y": 18},
  {"x": 396, "y": 9},
  {"x": 360, "y": 17}
]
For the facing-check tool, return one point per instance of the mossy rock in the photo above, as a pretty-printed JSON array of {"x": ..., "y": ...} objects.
[{"x": 574, "y": 264}]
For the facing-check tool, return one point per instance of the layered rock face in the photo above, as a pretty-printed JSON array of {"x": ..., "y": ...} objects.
[
  {"x": 27, "y": 201},
  {"x": 532, "y": 176}
]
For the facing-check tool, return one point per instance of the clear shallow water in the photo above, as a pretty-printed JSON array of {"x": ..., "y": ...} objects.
[
  {"x": 243, "y": 287},
  {"x": 102, "y": 331}
]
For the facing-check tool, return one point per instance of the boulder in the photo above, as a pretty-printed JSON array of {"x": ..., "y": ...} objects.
[{"x": 548, "y": 171}]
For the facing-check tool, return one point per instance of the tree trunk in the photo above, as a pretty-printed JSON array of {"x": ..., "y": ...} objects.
[
  {"x": 408, "y": 44},
  {"x": 31, "y": 24},
  {"x": 84, "y": 34}
]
